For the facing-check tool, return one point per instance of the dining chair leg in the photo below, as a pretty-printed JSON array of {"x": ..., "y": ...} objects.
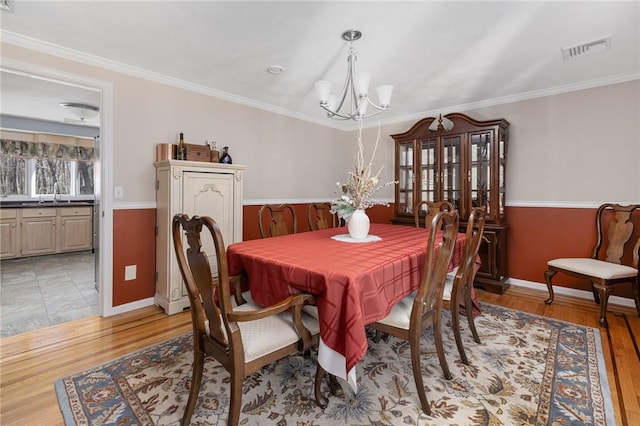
[
  {"x": 320, "y": 399},
  {"x": 236, "y": 396},
  {"x": 547, "y": 278},
  {"x": 417, "y": 375},
  {"x": 603, "y": 292},
  {"x": 196, "y": 380},
  {"x": 437, "y": 337},
  {"x": 596, "y": 296},
  {"x": 455, "y": 319},
  {"x": 468, "y": 306}
]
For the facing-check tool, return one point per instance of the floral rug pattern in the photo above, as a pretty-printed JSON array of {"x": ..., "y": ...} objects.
[{"x": 528, "y": 370}]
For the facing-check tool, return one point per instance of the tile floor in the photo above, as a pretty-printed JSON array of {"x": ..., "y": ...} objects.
[{"x": 40, "y": 291}]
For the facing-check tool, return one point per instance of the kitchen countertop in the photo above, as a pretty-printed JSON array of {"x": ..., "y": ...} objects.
[{"x": 44, "y": 204}]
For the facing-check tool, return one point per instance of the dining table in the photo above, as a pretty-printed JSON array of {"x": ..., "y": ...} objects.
[{"x": 355, "y": 281}]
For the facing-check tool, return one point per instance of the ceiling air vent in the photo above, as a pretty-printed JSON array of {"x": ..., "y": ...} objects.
[{"x": 586, "y": 48}]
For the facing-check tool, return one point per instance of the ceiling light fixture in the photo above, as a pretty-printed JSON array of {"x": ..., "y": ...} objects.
[
  {"x": 82, "y": 111},
  {"x": 355, "y": 88},
  {"x": 275, "y": 69}
]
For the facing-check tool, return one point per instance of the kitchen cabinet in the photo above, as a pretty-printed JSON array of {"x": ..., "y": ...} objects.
[
  {"x": 193, "y": 188},
  {"x": 9, "y": 235},
  {"x": 45, "y": 229},
  {"x": 465, "y": 165},
  {"x": 76, "y": 230},
  {"x": 38, "y": 231}
]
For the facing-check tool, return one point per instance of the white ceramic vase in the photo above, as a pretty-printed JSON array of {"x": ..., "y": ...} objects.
[{"x": 358, "y": 225}]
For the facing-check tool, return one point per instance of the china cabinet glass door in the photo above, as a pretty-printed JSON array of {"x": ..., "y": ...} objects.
[
  {"x": 501, "y": 163},
  {"x": 428, "y": 170},
  {"x": 450, "y": 180},
  {"x": 480, "y": 170},
  {"x": 405, "y": 178}
]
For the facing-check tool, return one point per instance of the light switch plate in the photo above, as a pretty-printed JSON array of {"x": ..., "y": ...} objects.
[
  {"x": 130, "y": 272},
  {"x": 118, "y": 192}
]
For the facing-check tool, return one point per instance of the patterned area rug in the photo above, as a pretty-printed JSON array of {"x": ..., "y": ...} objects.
[{"x": 527, "y": 370}]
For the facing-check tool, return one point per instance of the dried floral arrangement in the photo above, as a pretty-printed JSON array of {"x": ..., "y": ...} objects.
[{"x": 362, "y": 183}]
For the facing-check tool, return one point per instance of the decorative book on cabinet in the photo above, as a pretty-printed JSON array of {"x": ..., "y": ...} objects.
[
  {"x": 192, "y": 188},
  {"x": 464, "y": 165}
]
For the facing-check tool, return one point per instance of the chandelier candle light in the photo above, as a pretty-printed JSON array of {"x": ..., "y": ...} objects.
[{"x": 354, "y": 91}]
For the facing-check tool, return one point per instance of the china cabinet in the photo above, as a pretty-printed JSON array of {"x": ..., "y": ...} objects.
[
  {"x": 192, "y": 188},
  {"x": 465, "y": 165}
]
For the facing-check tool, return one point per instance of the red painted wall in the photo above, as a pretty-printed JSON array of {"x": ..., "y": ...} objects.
[
  {"x": 539, "y": 234},
  {"x": 134, "y": 243},
  {"x": 536, "y": 235}
]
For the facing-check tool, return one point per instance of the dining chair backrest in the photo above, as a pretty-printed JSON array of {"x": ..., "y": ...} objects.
[
  {"x": 414, "y": 313},
  {"x": 443, "y": 233},
  {"x": 233, "y": 335},
  {"x": 210, "y": 300},
  {"x": 459, "y": 287},
  {"x": 425, "y": 210},
  {"x": 276, "y": 218},
  {"x": 472, "y": 241},
  {"x": 320, "y": 216}
]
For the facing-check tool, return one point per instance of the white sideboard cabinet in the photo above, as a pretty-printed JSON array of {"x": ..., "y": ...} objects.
[{"x": 192, "y": 188}]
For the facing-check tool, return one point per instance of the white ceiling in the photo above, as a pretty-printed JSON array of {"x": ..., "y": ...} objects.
[{"x": 439, "y": 55}]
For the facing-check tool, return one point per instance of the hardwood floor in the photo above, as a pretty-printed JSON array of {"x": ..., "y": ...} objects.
[{"x": 32, "y": 361}]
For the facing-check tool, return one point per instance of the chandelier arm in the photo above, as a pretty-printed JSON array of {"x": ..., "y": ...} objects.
[
  {"x": 370, "y": 115},
  {"x": 334, "y": 115},
  {"x": 381, "y": 108},
  {"x": 358, "y": 102}
]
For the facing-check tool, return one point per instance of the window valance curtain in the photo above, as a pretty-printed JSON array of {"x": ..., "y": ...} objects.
[{"x": 45, "y": 150}]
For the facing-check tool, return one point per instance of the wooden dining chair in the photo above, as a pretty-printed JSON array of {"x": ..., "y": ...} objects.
[
  {"x": 243, "y": 338},
  {"x": 605, "y": 268},
  {"x": 458, "y": 284},
  {"x": 277, "y": 217},
  {"x": 424, "y": 211},
  {"x": 320, "y": 216},
  {"x": 411, "y": 315}
]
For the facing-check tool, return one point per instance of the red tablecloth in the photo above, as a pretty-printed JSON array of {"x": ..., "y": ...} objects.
[{"x": 354, "y": 283}]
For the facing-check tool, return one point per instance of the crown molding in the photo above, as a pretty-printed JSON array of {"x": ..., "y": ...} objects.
[
  {"x": 92, "y": 60},
  {"x": 87, "y": 59},
  {"x": 557, "y": 90}
]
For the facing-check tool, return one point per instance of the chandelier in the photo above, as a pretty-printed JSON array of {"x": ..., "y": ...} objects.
[{"x": 353, "y": 96}]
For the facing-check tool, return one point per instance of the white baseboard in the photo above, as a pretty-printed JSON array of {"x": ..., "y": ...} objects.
[
  {"x": 581, "y": 294},
  {"x": 127, "y": 307}
]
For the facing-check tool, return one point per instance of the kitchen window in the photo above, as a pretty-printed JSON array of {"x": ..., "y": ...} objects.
[{"x": 31, "y": 169}]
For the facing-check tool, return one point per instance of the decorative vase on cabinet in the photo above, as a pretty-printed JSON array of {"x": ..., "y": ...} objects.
[
  {"x": 464, "y": 165},
  {"x": 192, "y": 188}
]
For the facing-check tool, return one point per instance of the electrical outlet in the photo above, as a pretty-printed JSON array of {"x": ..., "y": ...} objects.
[
  {"x": 130, "y": 272},
  {"x": 118, "y": 192}
]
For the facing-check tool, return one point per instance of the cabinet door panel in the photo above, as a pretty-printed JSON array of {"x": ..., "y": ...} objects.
[
  {"x": 8, "y": 238},
  {"x": 38, "y": 235},
  {"x": 75, "y": 233},
  {"x": 207, "y": 194}
]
